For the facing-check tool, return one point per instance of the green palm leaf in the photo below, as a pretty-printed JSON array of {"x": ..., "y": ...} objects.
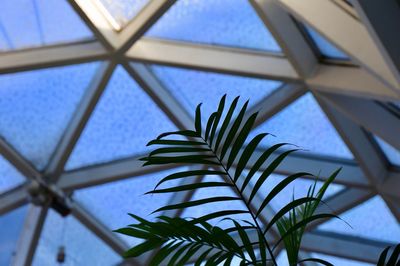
[{"x": 216, "y": 149}]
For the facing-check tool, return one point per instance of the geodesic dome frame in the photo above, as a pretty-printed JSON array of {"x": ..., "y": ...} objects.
[{"x": 358, "y": 97}]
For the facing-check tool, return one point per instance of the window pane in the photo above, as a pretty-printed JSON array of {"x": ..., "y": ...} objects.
[
  {"x": 216, "y": 22},
  {"x": 82, "y": 247},
  {"x": 392, "y": 154},
  {"x": 32, "y": 23},
  {"x": 326, "y": 48},
  {"x": 192, "y": 87},
  {"x": 303, "y": 123},
  {"x": 36, "y": 106},
  {"x": 371, "y": 219},
  {"x": 112, "y": 202},
  {"x": 9, "y": 176},
  {"x": 10, "y": 229},
  {"x": 123, "y": 10},
  {"x": 123, "y": 122}
]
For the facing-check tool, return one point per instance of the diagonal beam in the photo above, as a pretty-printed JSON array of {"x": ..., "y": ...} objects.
[
  {"x": 372, "y": 163},
  {"x": 78, "y": 121},
  {"x": 30, "y": 235},
  {"x": 370, "y": 115},
  {"x": 51, "y": 56},
  {"x": 99, "y": 229},
  {"x": 277, "y": 101},
  {"x": 218, "y": 59},
  {"x": 382, "y": 28},
  {"x": 142, "y": 22},
  {"x": 109, "y": 32},
  {"x": 346, "y": 32},
  {"x": 104, "y": 173},
  {"x": 163, "y": 98},
  {"x": 288, "y": 35},
  {"x": 13, "y": 199},
  {"x": 18, "y": 161},
  {"x": 344, "y": 246}
]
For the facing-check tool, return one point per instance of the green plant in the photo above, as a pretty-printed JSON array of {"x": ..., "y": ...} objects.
[{"x": 219, "y": 149}]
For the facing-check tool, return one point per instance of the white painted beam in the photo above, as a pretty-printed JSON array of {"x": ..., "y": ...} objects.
[
  {"x": 30, "y": 235},
  {"x": 352, "y": 81},
  {"x": 104, "y": 173},
  {"x": 51, "y": 56},
  {"x": 19, "y": 162},
  {"x": 13, "y": 199},
  {"x": 346, "y": 32},
  {"x": 211, "y": 58},
  {"x": 99, "y": 229}
]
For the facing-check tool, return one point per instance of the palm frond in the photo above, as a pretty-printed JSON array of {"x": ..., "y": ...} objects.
[
  {"x": 219, "y": 149},
  {"x": 394, "y": 258}
]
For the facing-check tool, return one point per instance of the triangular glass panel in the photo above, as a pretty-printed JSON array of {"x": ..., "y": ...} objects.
[
  {"x": 11, "y": 225},
  {"x": 113, "y": 210},
  {"x": 203, "y": 193},
  {"x": 303, "y": 123},
  {"x": 27, "y": 24},
  {"x": 9, "y": 176},
  {"x": 391, "y": 153},
  {"x": 124, "y": 120},
  {"x": 191, "y": 87},
  {"x": 339, "y": 261},
  {"x": 325, "y": 47},
  {"x": 215, "y": 22},
  {"x": 123, "y": 11},
  {"x": 296, "y": 189},
  {"x": 36, "y": 106},
  {"x": 371, "y": 219},
  {"x": 80, "y": 245}
]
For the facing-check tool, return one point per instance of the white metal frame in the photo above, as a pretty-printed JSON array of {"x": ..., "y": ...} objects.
[{"x": 349, "y": 96}]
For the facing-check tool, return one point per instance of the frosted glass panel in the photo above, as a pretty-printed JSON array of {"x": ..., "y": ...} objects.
[
  {"x": 123, "y": 122},
  {"x": 123, "y": 10},
  {"x": 10, "y": 229},
  {"x": 326, "y": 48},
  {"x": 36, "y": 106},
  {"x": 303, "y": 123},
  {"x": 31, "y": 23},
  {"x": 371, "y": 219},
  {"x": 192, "y": 87},
  {"x": 112, "y": 202},
  {"x": 392, "y": 154},
  {"x": 215, "y": 22},
  {"x": 82, "y": 247},
  {"x": 9, "y": 176}
]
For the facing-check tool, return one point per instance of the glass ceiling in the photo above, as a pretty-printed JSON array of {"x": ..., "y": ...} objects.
[
  {"x": 36, "y": 107},
  {"x": 124, "y": 120},
  {"x": 10, "y": 228},
  {"x": 34, "y": 23},
  {"x": 215, "y": 22}
]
